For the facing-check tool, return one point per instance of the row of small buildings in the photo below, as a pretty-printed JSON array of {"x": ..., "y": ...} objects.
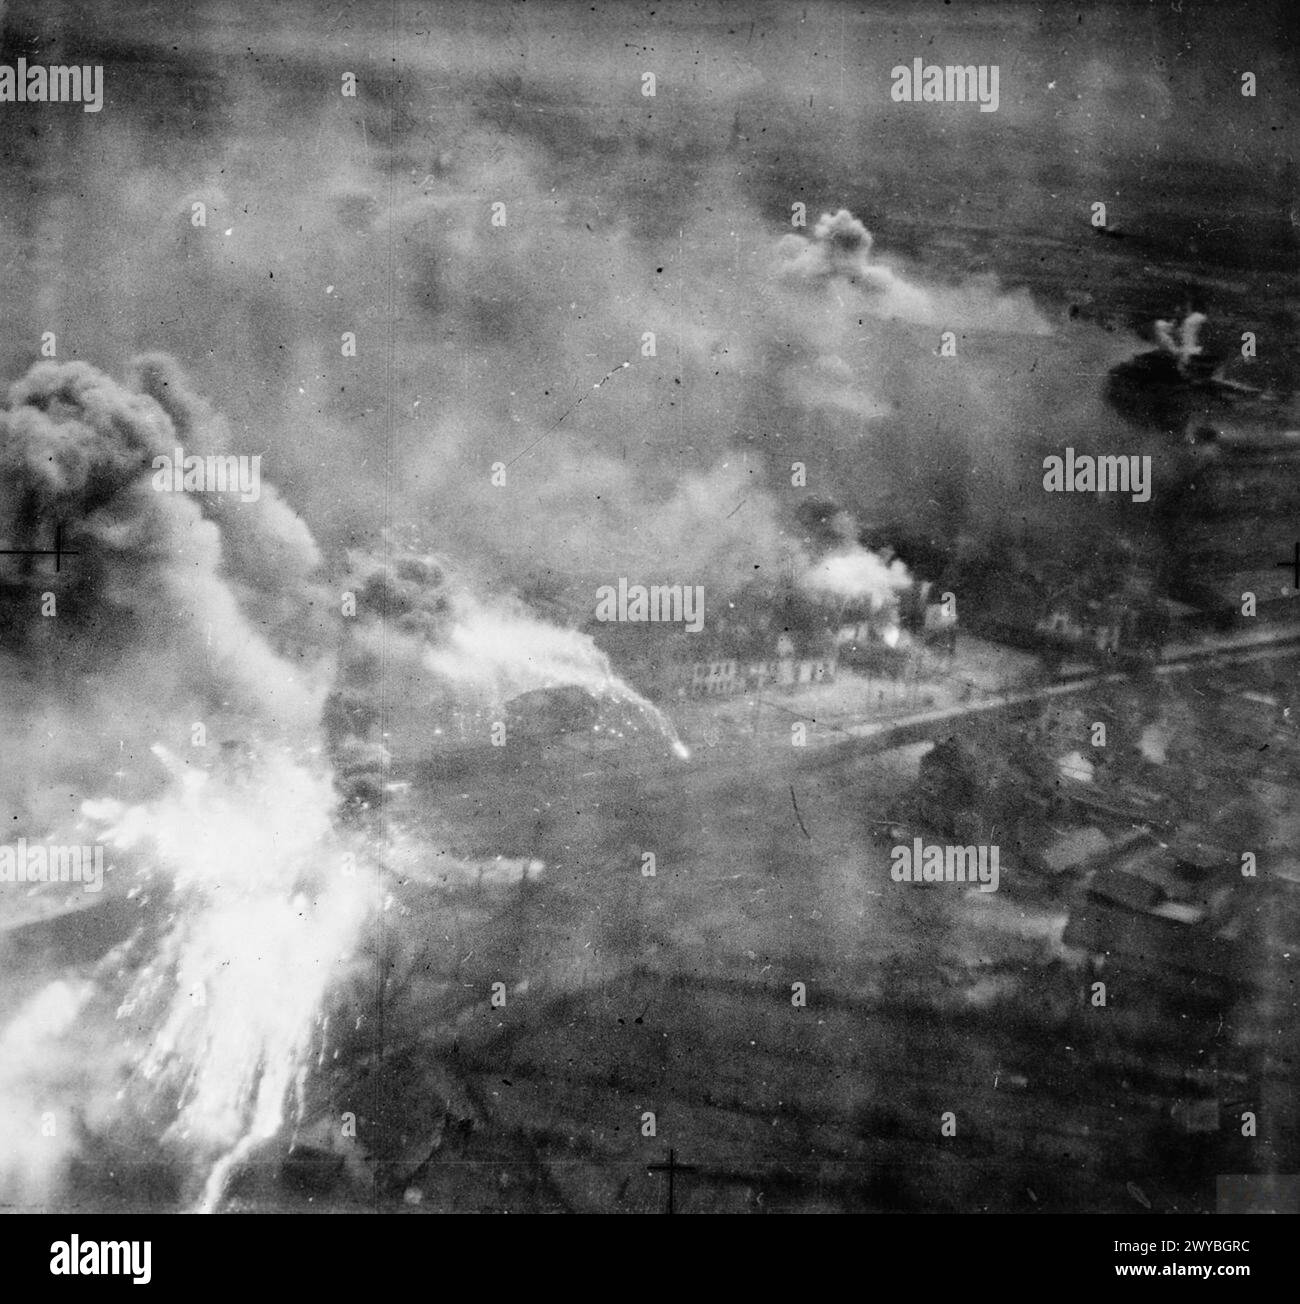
[
  {"x": 726, "y": 661},
  {"x": 730, "y": 675}
]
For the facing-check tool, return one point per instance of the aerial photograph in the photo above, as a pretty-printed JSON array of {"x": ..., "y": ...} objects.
[{"x": 643, "y": 608}]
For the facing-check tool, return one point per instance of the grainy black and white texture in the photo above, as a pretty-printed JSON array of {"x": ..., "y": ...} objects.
[{"x": 649, "y": 607}]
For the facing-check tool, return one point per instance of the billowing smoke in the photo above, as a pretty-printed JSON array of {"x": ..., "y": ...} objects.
[
  {"x": 601, "y": 383},
  {"x": 452, "y": 661},
  {"x": 170, "y": 649},
  {"x": 845, "y": 571},
  {"x": 484, "y": 394},
  {"x": 747, "y": 352},
  {"x": 166, "y": 611},
  {"x": 921, "y": 406},
  {"x": 840, "y": 250},
  {"x": 856, "y": 573},
  {"x": 165, "y": 662},
  {"x": 290, "y": 216}
]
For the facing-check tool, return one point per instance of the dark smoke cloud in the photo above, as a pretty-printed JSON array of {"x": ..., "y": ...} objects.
[{"x": 175, "y": 608}]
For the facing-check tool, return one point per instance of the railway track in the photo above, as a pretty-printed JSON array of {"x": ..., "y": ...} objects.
[{"x": 832, "y": 743}]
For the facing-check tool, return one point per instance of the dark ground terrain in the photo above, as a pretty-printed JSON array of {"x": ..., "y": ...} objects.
[{"x": 672, "y": 994}]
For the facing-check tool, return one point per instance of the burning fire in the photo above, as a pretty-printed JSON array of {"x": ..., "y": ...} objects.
[
  {"x": 266, "y": 905},
  {"x": 854, "y": 572},
  {"x": 252, "y": 900}
]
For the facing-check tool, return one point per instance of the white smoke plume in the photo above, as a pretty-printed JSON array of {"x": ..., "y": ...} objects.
[
  {"x": 840, "y": 249},
  {"x": 856, "y": 573},
  {"x": 447, "y": 655}
]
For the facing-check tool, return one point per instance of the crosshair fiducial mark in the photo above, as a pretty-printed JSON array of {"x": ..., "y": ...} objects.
[
  {"x": 58, "y": 552},
  {"x": 672, "y": 1168}
]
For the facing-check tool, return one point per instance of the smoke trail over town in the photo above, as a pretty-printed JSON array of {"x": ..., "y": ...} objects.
[
  {"x": 818, "y": 344},
  {"x": 600, "y": 612}
]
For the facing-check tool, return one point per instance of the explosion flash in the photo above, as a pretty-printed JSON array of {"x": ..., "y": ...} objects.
[
  {"x": 176, "y": 616},
  {"x": 185, "y": 698},
  {"x": 267, "y": 905}
]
